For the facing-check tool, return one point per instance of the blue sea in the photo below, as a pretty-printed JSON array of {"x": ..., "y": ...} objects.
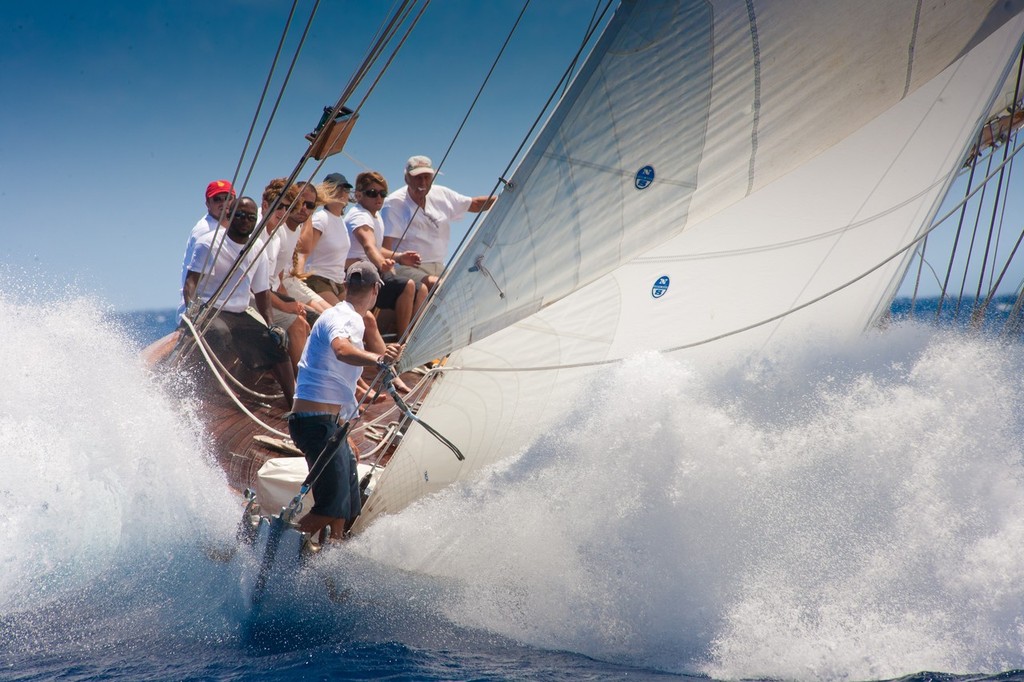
[{"x": 850, "y": 512}]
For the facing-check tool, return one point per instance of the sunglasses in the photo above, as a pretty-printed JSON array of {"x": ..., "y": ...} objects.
[
  {"x": 220, "y": 198},
  {"x": 374, "y": 193},
  {"x": 309, "y": 204},
  {"x": 245, "y": 215}
]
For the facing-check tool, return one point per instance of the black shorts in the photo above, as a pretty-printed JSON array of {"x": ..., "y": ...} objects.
[
  {"x": 389, "y": 293},
  {"x": 336, "y": 480},
  {"x": 247, "y": 337}
]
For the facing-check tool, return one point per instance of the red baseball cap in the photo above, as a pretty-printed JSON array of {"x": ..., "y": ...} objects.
[{"x": 219, "y": 187}]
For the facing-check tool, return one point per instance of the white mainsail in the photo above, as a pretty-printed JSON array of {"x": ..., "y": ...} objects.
[{"x": 719, "y": 174}]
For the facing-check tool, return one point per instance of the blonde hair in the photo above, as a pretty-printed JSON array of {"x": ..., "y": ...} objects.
[{"x": 330, "y": 191}]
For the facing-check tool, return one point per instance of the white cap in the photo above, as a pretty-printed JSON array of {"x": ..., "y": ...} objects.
[{"x": 417, "y": 165}]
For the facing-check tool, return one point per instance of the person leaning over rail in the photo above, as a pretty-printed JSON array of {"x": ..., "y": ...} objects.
[
  {"x": 419, "y": 216},
  {"x": 220, "y": 196},
  {"x": 324, "y": 244},
  {"x": 230, "y": 326},
  {"x": 325, "y": 393}
]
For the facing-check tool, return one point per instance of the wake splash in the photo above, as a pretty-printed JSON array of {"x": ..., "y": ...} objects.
[
  {"x": 841, "y": 511},
  {"x": 106, "y": 498},
  {"x": 838, "y": 512}
]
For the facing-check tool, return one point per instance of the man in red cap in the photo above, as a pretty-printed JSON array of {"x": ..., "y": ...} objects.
[{"x": 220, "y": 196}]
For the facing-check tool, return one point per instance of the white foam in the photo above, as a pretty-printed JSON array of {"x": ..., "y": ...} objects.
[
  {"x": 843, "y": 511},
  {"x": 98, "y": 464}
]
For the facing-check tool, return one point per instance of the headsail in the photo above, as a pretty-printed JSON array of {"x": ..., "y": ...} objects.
[
  {"x": 798, "y": 151},
  {"x": 718, "y": 100}
]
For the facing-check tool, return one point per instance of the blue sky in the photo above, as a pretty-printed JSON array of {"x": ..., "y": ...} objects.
[{"x": 117, "y": 114}]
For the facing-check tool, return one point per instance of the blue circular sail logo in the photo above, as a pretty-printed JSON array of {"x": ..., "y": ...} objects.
[
  {"x": 660, "y": 287},
  {"x": 644, "y": 177}
]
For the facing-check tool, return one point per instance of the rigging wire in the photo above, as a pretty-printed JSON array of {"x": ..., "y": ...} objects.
[
  {"x": 973, "y": 240},
  {"x": 999, "y": 186},
  {"x": 280, "y": 94},
  {"x": 917, "y": 280},
  {"x": 211, "y": 256},
  {"x": 1009, "y": 260},
  {"x": 384, "y": 37},
  {"x": 959, "y": 228},
  {"x": 204, "y": 323},
  {"x": 263, "y": 97},
  {"x": 565, "y": 78},
  {"x": 465, "y": 119}
]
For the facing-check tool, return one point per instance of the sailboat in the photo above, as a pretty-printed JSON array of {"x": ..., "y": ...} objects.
[{"x": 719, "y": 178}]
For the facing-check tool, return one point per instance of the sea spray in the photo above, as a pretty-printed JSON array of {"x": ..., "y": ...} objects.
[
  {"x": 830, "y": 511},
  {"x": 847, "y": 510},
  {"x": 101, "y": 468}
]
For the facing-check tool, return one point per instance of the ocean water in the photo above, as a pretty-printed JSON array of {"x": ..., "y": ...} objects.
[{"x": 853, "y": 512}]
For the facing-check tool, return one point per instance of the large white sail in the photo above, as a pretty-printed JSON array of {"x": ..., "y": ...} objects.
[{"x": 719, "y": 174}]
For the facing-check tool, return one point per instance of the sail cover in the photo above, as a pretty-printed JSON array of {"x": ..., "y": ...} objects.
[{"x": 720, "y": 174}]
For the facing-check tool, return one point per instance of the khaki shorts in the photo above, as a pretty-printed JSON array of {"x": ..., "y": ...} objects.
[
  {"x": 418, "y": 272},
  {"x": 283, "y": 319},
  {"x": 298, "y": 290},
  {"x": 322, "y": 285}
]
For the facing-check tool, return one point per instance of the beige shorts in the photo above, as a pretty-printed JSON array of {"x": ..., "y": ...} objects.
[
  {"x": 418, "y": 272},
  {"x": 298, "y": 290},
  {"x": 283, "y": 319}
]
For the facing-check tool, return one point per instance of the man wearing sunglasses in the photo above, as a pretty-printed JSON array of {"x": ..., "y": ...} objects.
[
  {"x": 231, "y": 328},
  {"x": 418, "y": 218},
  {"x": 219, "y": 198}
]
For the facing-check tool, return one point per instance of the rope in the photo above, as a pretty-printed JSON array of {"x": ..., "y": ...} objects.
[
  {"x": 227, "y": 389},
  {"x": 231, "y": 377}
]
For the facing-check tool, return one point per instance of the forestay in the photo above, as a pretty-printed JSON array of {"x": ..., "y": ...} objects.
[{"x": 714, "y": 168}]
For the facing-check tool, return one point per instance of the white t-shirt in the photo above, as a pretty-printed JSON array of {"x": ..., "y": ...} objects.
[
  {"x": 233, "y": 299},
  {"x": 328, "y": 258},
  {"x": 205, "y": 225},
  {"x": 356, "y": 216},
  {"x": 430, "y": 230},
  {"x": 324, "y": 378},
  {"x": 279, "y": 253}
]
